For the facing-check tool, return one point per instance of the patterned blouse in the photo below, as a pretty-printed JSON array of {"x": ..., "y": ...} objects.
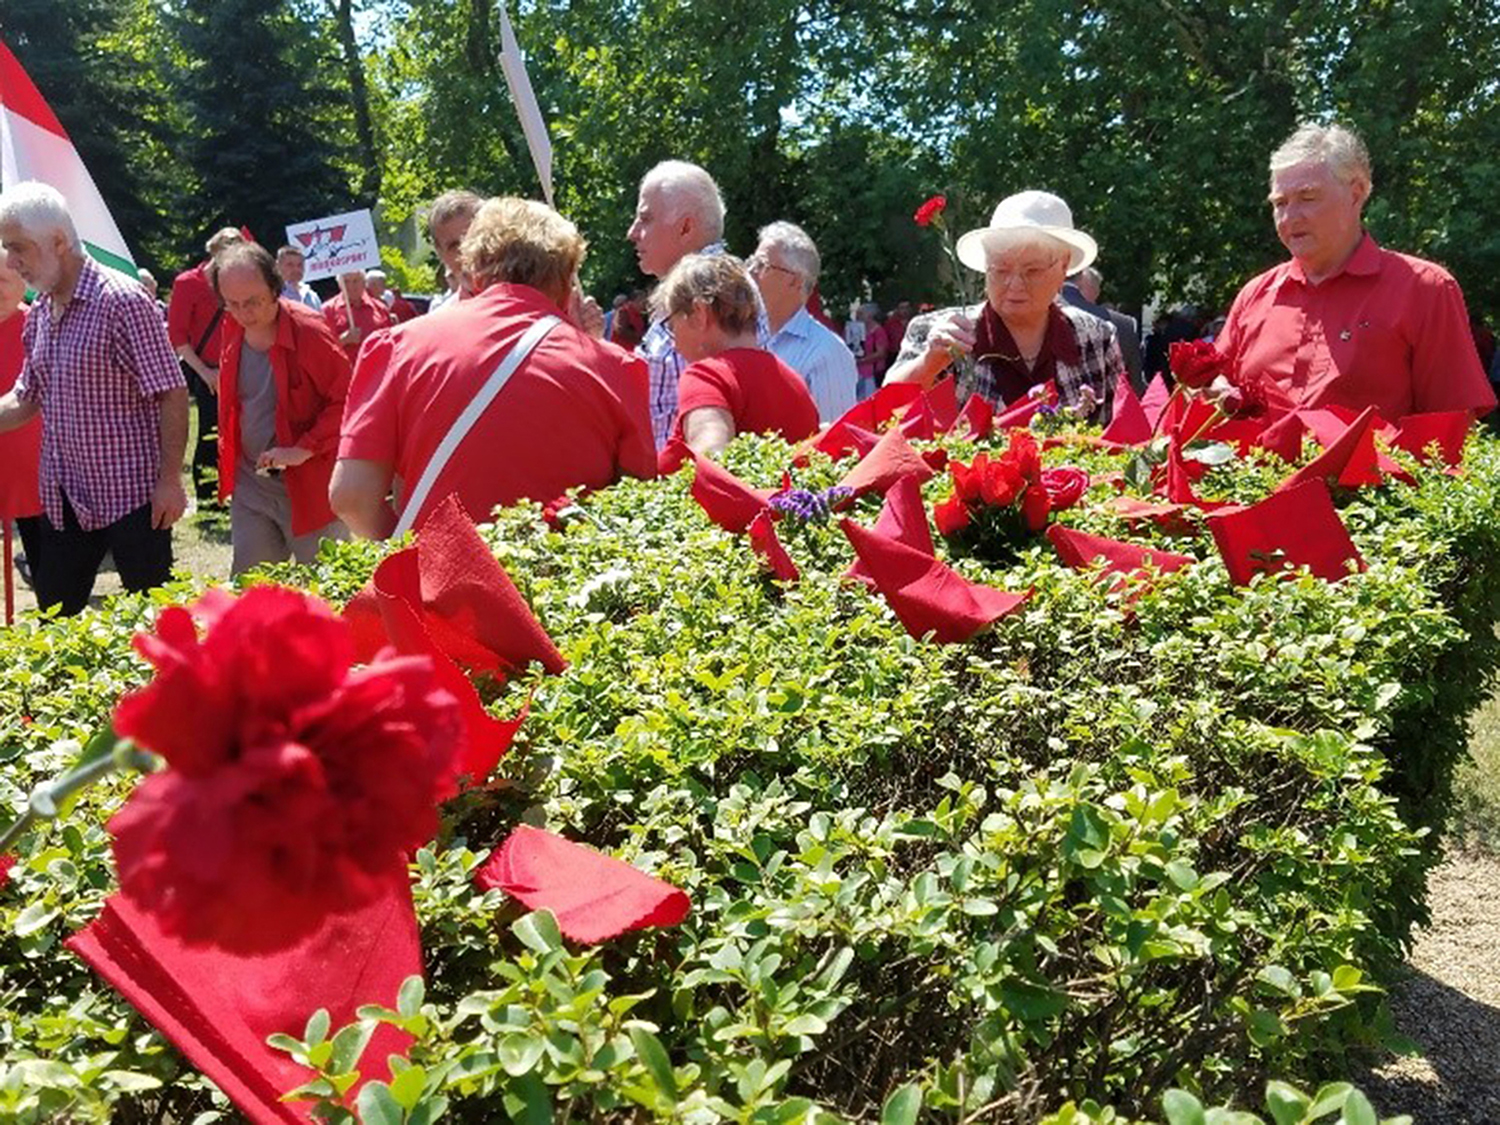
[{"x": 1099, "y": 365}]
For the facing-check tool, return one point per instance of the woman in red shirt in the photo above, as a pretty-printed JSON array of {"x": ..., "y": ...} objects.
[{"x": 732, "y": 385}]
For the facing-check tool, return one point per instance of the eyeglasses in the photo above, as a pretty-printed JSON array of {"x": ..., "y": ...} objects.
[
  {"x": 1029, "y": 276},
  {"x": 758, "y": 264}
]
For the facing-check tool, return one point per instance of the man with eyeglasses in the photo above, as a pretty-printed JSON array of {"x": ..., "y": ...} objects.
[{"x": 785, "y": 267}]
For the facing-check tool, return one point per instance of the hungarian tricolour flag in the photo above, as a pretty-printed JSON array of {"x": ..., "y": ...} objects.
[{"x": 35, "y": 146}]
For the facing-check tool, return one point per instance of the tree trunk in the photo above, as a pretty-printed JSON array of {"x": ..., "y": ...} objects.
[{"x": 359, "y": 93}]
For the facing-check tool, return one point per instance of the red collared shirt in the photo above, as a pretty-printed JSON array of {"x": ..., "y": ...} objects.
[
  {"x": 191, "y": 311},
  {"x": 369, "y": 316},
  {"x": 1387, "y": 330},
  {"x": 98, "y": 369},
  {"x": 575, "y": 413}
]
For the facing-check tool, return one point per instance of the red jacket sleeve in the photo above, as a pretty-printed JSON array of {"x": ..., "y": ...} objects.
[{"x": 320, "y": 359}]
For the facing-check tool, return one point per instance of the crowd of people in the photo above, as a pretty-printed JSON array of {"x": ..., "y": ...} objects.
[{"x": 357, "y": 416}]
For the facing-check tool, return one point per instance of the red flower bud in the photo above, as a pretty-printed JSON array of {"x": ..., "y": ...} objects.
[
  {"x": 1035, "y": 507},
  {"x": 951, "y": 516}
]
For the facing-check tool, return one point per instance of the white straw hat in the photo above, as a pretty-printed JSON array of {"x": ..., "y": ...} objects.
[{"x": 1029, "y": 210}]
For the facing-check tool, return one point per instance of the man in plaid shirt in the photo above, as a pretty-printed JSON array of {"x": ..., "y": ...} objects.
[{"x": 101, "y": 372}]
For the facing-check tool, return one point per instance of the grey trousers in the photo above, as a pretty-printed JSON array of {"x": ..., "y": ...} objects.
[{"x": 260, "y": 524}]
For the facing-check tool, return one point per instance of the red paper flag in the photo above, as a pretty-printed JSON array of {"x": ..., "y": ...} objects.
[
  {"x": 1350, "y": 459},
  {"x": 892, "y": 458},
  {"x": 1154, "y": 401},
  {"x": 942, "y": 403},
  {"x": 978, "y": 417},
  {"x": 918, "y": 422},
  {"x": 767, "y": 544},
  {"x": 1448, "y": 429},
  {"x": 1291, "y": 528},
  {"x": 594, "y": 897},
  {"x": 1188, "y": 416},
  {"x": 218, "y": 1008},
  {"x": 1283, "y": 437},
  {"x": 1081, "y": 551},
  {"x": 1129, "y": 426},
  {"x": 729, "y": 501},
  {"x": 904, "y": 519},
  {"x": 1020, "y": 413},
  {"x": 840, "y": 439},
  {"x": 466, "y": 601},
  {"x": 927, "y": 595}
]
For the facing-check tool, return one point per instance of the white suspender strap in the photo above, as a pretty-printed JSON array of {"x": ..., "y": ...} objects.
[{"x": 507, "y": 367}]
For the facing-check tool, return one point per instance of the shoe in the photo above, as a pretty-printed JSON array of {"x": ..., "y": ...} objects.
[{"x": 23, "y": 568}]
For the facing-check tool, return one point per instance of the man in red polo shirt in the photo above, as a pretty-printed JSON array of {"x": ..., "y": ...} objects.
[
  {"x": 427, "y": 412},
  {"x": 195, "y": 326},
  {"x": 1346, "y": 323},
  {"x": 370, "y": 313}
]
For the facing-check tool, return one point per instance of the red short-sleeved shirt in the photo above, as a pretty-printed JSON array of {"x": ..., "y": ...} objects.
[
  {"x": 369, "y": 317},
  {"x": 573, "y": 414},
  {"x": 764, "y": 395},
  {"x": 192, "y": 310},
  {"x": 21, "y": 449},
  {"x": 1389, "y": 330}
]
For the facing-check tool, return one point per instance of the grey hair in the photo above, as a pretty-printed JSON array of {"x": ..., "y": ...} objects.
[
  {"x": 459, "y": 203},
  {"x": 1004, "y": 240},
  {"x": 690, "y": 190},
  {"x": 222, "y": 239},
  {"x": 39, "y": 209},
  {"x": 799, "y": 250},
  {"x": 1334, "y": 145}
]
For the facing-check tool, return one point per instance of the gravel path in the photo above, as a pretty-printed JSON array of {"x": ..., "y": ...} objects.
[{"x": 1450, "y": 1005}]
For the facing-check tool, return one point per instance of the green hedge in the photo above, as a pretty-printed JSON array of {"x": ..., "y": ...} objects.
[{"x": 1110, "y": 848}]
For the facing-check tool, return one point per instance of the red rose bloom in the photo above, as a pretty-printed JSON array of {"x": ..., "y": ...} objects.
[
  {"x": 1025, "y": 455},
  {"x": 930, "y": 210},
  {"x": 1195, "y": 363},
  {"x": 1035, "y": 507},
  {"x": 1064, "y": 486},
  {"x": 294, "y": 783},
  {"x": 968, "y": 480},
  {"x": 951, "y": 516},
  {"x": 1002, "y": 483}
]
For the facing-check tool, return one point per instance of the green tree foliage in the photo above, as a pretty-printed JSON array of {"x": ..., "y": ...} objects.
[{"x": 267, "y": 131}]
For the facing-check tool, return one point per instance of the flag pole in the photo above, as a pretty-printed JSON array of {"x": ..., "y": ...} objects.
[
  {"x": 532, "y": 123},
  {"x": 10, "y": 578}
]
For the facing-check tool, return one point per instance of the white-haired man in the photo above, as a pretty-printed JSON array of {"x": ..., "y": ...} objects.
[
  {"x": 785, "y": 266},
  {"x": 1346, "y": 323},
  {"x": 678, "y": 211},
  {"x": 101, "y": 373},
  {"x": 354, "y": 313}
]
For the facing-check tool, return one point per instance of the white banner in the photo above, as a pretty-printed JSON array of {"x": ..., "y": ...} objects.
[
  {"x": 522, "y": 94},
  {"x": 336, "y": 244}
]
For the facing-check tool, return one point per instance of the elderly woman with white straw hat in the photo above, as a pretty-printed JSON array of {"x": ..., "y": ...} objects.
[{"x": 1021, "y": 335}]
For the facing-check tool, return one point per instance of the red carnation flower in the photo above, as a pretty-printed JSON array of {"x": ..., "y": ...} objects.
[
  {"x": 295, "y": 784},
  {"x": 951, "y": 516},
  {"x": 930, "y": 210},
  {"x": 1036, "y": 505},
  {"x": 1064, "y": 486},
  {"x": 1195, "y": 363}
]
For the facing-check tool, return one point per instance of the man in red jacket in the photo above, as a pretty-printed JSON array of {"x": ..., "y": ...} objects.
[
  {"x": 196, "y": 329},
  {"x": 369, "y": 314},
  {"x": 428, "y": 408},
  {"x": 282, "y": 386}
]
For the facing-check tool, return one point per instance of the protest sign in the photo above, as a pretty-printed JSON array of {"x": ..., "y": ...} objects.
[{"x": 336, "y": 244}]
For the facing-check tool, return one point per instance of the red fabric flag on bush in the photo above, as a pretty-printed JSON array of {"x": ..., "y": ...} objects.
[
  {"x": 1020, "y": 413},
  {"x": 1155, "y": 400},
  {"x": 1291, "y": 528},
  {"x": 1349, "y": 460},
  {"x": 927, "y": 595},
  {"x": 1129, "y": 426},
  {"x": 892, "y": 458},
  {"x": 1081, "y": 551},
  {"x": 767, "y": 544},
  {"x": 904, "y": 519},
  {"x": 838, "y": 440},
  {"x": 217, "y": 1007},
  {"x": 977, "y": 417},
  {"x": 728, "y": 501},
  {"x": 594, "y": 897},
  {"x": 942, "y": 402},
  {"x": 1448, "y": 429},
  {"x": 1283, "y": 437}
]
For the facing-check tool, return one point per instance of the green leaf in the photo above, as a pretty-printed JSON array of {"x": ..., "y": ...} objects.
[
  {"x": 902, "y": 1107},
  {"x": 538, "y": 931},
  {"x": 1183, "y": 877},
  {"x": 409, "y": 999},
  {"x": 1287, "y": 1104},
  {"x": 349, "y": 1046},
  {"x": 35, "y": 917},
  {"x": 317, "y": 1027},
  {"x": 1358, "y": 1110},
  {"x": 129, "y": 1082},
  {"x": 805, "y": 1024},
  {"x": 654, "y": 1058},
  {"x": 520, "y": 1051},
  {"x": 377, "y": 1106},
  {"x": 407, "y": 1086},
  {"x": 1181, "y": 1108},
  {"x": 1279, "y": 978}
]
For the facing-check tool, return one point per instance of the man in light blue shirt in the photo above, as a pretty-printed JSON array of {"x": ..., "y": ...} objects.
[
  {"x": 785, "y": 266},
  {"x": 291, "y": 265}
]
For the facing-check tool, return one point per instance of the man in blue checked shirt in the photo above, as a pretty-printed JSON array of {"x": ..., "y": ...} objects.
[{"x": 785, "y": 266}]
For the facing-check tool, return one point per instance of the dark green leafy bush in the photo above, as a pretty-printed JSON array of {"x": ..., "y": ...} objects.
[{"x": 1128, "y": 841}]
